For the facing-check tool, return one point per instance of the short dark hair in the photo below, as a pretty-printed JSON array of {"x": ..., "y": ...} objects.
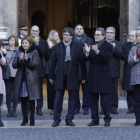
[
  {"x": 102, "y": 30},
  {"x": 26, "y": 38},
  {"x": 69, "y": 30},
  {"x": 16, "y": 39},
  {"x": 78, "y": 25}
]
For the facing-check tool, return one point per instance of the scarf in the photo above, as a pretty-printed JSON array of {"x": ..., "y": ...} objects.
[
  {"x": 67, "y": 45},
  {"x": 82, "y": 40},
  {"x": 110, "y": 41},
  {"x": 32, "y": 38},
  {"x": 100, "y": 43}
]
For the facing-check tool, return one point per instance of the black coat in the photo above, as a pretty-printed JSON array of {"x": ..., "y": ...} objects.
[
  {"x": 30, "y": 71},
  {"x": 99, "y": 79},
  {"x": 115, "y": 60},
  {"x": 126, "y": 67},
  {"x": 58, "y": 58},
  {"x": 41, "y": 48},
  {"x": 90, "y": 42}
]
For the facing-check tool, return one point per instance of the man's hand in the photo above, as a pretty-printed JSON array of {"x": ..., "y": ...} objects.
[
  {"x": 114, "y": 45},
  {"x": 21, "y": 56},
  {"x": 95, "y": 48},
  {"x": 36, "y": 40},
  {"x": 26, "y": 56},
  {"x": 83, "y": 81},
  {"x": 87, "y": 48},
  {"x": 51, "y": 81}
]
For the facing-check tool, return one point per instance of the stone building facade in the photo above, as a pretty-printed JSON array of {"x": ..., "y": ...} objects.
[{"x": 62, "y": 13}]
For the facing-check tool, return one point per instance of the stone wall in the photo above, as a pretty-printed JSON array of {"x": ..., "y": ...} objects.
[
  {"x": 11, "y": 16},
  {"x": 134, "y": 14}
]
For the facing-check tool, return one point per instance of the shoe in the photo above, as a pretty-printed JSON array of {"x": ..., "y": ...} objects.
[
  {"x": 13, "y": 113},
  {"x": 93, "y": 123},
  {"x": 1, "y": 124},
  {"x": 25, "y": 122},
  {"x": 85, "y": 112},
  {"x": 107, "y": 124},
  {"x": 9, "y": 114},
  {"x": 32, "y": 121},
  {"x": 70, "y": 123},
  {"x": 130, "y": 112},
  {"x": 39, "y": 112},
  {"x": 55, "y": 124},
  {"x": 52, "y": 112},
  {"x": 101, "y": 113},
  {"x": 114, "y": 112},
  {"x": 76, "y": 112},
  {"x": 137, "y": 123}
]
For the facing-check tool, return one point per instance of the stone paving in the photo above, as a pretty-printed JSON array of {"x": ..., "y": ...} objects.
[{"x": 122, "y": 127}]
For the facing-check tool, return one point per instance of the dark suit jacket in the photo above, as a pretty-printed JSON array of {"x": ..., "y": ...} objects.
[
  {"x": 58, "y": 58},
  {"x": 126, "y": 67},
  {"x": 99, "y": 79},
  {"x": 41, "y": 48},
  {"x": 115, "y": 60}
]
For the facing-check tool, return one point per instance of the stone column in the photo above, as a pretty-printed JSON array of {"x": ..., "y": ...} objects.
[
  {"x": 134, "y": 14},
  {"x": 3, "y": 30}
]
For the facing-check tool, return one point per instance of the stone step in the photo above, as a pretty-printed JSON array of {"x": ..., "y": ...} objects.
[{"x": 78, "y": 123}]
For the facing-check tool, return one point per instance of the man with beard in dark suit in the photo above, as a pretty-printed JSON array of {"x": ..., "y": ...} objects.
[
  {"x": 82, "y": 38},
  {"x": 66, "y": 58}
]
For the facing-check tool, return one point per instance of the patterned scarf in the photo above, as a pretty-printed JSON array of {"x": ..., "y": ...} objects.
[{"x": 67, "y": 45}]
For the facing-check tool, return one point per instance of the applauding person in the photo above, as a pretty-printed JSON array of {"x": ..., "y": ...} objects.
[{"x": 26, "y": 83}]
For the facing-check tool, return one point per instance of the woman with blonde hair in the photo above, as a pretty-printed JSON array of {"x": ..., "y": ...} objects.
[{"x": 53, "y": 38}]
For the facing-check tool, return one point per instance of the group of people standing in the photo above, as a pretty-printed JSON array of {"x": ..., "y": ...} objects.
[{"x": 76, "y": 60}]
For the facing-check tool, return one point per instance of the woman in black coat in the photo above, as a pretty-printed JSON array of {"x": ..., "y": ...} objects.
[
  {"x": 26, "y": 83},
  {"x": 53, "y": 38}
]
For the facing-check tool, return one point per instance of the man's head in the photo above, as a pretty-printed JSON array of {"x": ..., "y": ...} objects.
[
  {"x": 133, "y": 36},
  {"x": 68, "y": 34},
  {"x": 99, "y": 34},
  {"x": 35, "y": 31},
  {"x": 79, "y": 30},
  {"x": 23, "y": 30},
  {"x": 110, "y": 33}
]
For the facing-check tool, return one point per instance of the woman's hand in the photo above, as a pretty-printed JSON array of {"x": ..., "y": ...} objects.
[
  {"x": 3, "y": 50},
  {"x": 50, "y": 44},
  {"x": 26, "y": 56},
  {"x": 21, "y": 56}
]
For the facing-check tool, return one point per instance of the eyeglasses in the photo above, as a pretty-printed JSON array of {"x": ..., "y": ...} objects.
[
  {"x": 35, "y": 31},
  {"x": 97, "y": 35},
  {"x": 131, "y": 35},
  {"x": 25, "y": 30},
  {"x": 110, "y": 32},
  {"x": 66, "y": 35}
]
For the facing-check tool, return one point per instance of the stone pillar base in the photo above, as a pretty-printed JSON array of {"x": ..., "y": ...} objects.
[{"x": 3, "y": 33}]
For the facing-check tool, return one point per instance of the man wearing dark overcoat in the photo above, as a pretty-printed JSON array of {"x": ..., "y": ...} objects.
[
  {"x": 82, "y": 38},
  {"x": 126, "y": 47},
  {"x": 114, "y": 67},
  {"x": 66, "y": 58},
  {"x": 99, "y": 78},
  {"x": 40, "y": 46}
]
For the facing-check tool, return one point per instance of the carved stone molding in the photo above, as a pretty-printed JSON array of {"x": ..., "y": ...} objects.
[
  {"x": 123, "y": 20},
  {"x": 23, "y": 12}
]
